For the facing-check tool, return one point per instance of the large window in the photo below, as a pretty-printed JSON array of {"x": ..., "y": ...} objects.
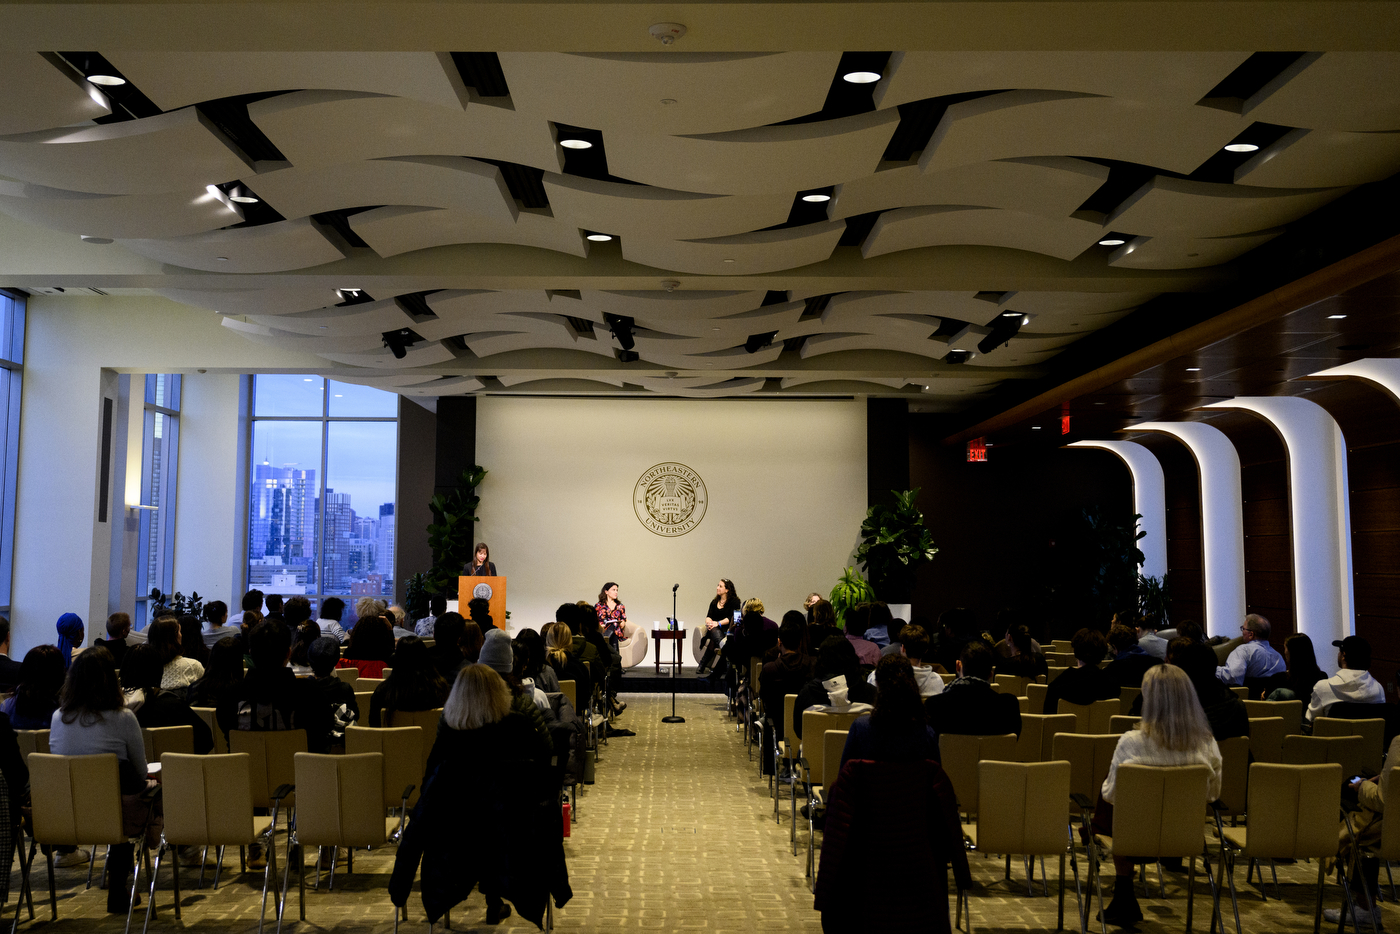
[
  {"x": 160, "y": 465},
  {"x": 321, "y": 503},
  {"x": 11, "y": 378}
]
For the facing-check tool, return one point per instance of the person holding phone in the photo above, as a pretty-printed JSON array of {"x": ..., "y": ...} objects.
[{"x": 725, "y": 611}]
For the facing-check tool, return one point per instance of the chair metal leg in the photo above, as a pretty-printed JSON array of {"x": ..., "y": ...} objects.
[
  {"x": 267, "y": 878},
  {"x": 92, "y": 861},
  {"x": 1392, "y": 880},
  {"x": 203, "y": 859},
  {"x": 1060, "y": 922},
  {"x": 1190, "y": 890},
  {"x": 1078, "y": 892},
  {"x": 1234, "y": 898},
  {"x": 330, "y": 881},
  {"x": 151, "y": 893},
  {"x": 218, "y": 866},
  {"x": 1278, "y": 892},
  {"x": 175, "y": 877},
  {"x": 53, "y": 893}
]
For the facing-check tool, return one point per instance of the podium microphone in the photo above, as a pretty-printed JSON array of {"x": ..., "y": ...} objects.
[
  {"x": 676, "y": 655},
  {"x": 675, "y": 587}
]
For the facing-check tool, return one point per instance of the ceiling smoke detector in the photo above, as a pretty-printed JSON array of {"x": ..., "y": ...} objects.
[
  {"x": 670, "y": 285},
  {"x": 666, "y": 33}
]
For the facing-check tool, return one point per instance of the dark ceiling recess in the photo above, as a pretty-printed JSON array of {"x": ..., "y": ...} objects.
[
  {"x": 128, "y": 103},
  {"x": 845, "y": 99},
  {"x": 526, "y": 183},
  {"x": 416, "y": 305},
  {"x": 230, "y": 115},
  {"x": 1248, "y": 79},
  {"x": 774, "y": 297},
  {"x": 256, "y": 213},
  {"x": 588, "y": 163},
  {"x": 1124, "y": 178},
  {"x": 481, "y": 71},
  {"x": 994, "y": 297},
  {"x": 340, "y": 223},
  {"x": 581, "y": 326},
  {"x": 918, "y": 120},
  {"x": 794, "y": 343},
  {"x": 816, "y": 305},
  {"x": 1006, "y": 326},
  {"x": 1221, "y": 167},
  {"x": 803, "y": 213},
  {"x": 353, "y": 297},
  {"x": 858, "y": 228},
  {"x": 757, "y": 342},
  {"x": 400, "y": 340}
]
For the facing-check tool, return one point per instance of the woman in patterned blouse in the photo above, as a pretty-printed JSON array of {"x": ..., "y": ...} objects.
[{"x": 612, "y": 615}]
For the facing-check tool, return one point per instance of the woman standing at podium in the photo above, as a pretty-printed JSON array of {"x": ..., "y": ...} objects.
[
  {"x": 612, "y": 615},
  {"x": 481, "y": 565},
  {"x": 717, "y": 621}
]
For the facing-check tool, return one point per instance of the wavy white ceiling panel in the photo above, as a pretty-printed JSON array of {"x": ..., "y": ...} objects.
[
  {"x": 641, "y": 210},
  {"x": 1058, "y": 123},
  {"x": 1165, "y": 77},
  {"x": 1052, "y": 186},
  {"x": 1012, "y": 357},
  {"x": 279, "y": 247},
  {"x": 447, "y": 386},
  {"x": 171, "y": 214},
  {"x": 39, "y": 96},
  {"x": 504, "y": 333},
  {"x": 1075, "y": 303},
  {"x": 768, "y": 159},
  {"x": 512, "y": 380},
  {"x": 167, "y": 152},
  {"x": 911, "y": 228},
  {"x": 709, "y": 92},
  {"x": 664, "y": 307},
  {"x": 367, "y": 319},
  {"x": 746, "y": 254},
  {"x": 1333, "y": 91},
  {"x": 286, "y": 340},
  {"x": 789, "y": 382},
  {"x": 278, "y": 301},
  {"x": 690, "y": 353},
  {"x": 427, "y": 353},
  {"x": 1169, "y": 252},
  {"x": 1186, "y": 208},
  {"x": 701, "y": 387},
  {"x": 326, "y": 127},
  {"x": 393, "y": 230},
  {"x": 423, "y": 181},
  {"x": 1322, "y": 159},
  {"x": 847, "y": 309},
  {"x": 176, "y": 79},
  {"x": 905, "y": 340}
]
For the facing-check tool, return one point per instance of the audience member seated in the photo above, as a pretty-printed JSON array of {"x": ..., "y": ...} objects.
[
  {"x": 787, "y": 673},
  {"x": 332, "y": 610},
  {"x": 413, "y": 685},
  {"x": 1151, "y": 643},
  {"x": 180, "y": 672},
  {"x": 371, "y": 646},
  {"x": 447, "y": 651},
  {"x": 1008, "y": 646},
  {"x": 222, "y": 675},
  {"x": 472, "y": 638},
  {"x": 822, "y": 627},
  {"x": 1086, "y": 682},
  {"x": 1173, "y": 731},
  {"x": 252, "y": 602},
  {"x": 878, "y": 624},
  {"x": 607, "y": 670},
  {"x": 437, "y": 605},
  {"x": 897, "y": 729},
  {"x": 535, "y": 669},
  {"x": 1023, "y": 657},
  {"x": 1254, "y": 657},
  {"x": 914, "y": 645},
  {"x": 70, "y": 636},
  {"x": 1130, "y": 659},
  {"x": 273, "y": 602},
  {"x": 297, "y": 611},
  {"x": 1303, "y": 671},
  {"x": 1363, "y": 830},
  {"x": 483, "y": 741},
  {"x": 968, "y": 704},
  {"x": 303, "y": 635},
  {"x": 397, "y": 617},
  {"x": 337, "y": 694},
  {"x": 498, "y": 655},
  {"x": 867, "y": 652},
  {"x": 93, "y": 720},
  {"x": 559, "y": 642},
  {"x": 480, "y": 612},
  {"x": 191, "y": 640},
  {"x": 896, "y": 633},
  {"x": 837, "y": 682},
  {"x": 36, "y": 697},
  {"x": 1225, "y": 713},
  {"x": 956, "y": 628},
  {"x": 1352, "y": 682},
  {"x": 140, "y": 676},
  {"x": 118, "y": 628},
  {"x": 270, "y": 697},
  {"x": 16, "y": 773}
]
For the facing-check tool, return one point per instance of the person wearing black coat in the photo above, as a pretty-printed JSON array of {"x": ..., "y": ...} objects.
[
  {"x": 1087, "y": 682},
  {"x": 140, "y": 674},
  {"x": 481, "y": 743},
  {"x": 968, "y": 704},
  {"x": 836, "y": 659},
  {"x": 1130, "y": 660}
]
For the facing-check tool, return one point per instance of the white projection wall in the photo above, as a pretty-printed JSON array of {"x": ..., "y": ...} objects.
[{"x": 786, "y": 485}]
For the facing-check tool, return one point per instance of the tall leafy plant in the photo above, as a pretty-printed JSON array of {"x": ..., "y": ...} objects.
[
  {"x": 850, "y": 591},
  {"x": 1154, "y": 600},
  {"x": 893, "y": 543},
  {"x": 451, "y": 536}
]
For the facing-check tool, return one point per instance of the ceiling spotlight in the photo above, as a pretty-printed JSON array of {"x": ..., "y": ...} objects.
[
  {"x": 1009, "y": 314},
  {"x": 861, "y": 77},
  {"x": 1241, "y": 147},
  {"x": 222, "y": 259},
  {"x": 99, "y": 240},
  {"x": 730, "y": 261},
  {"x": 757, "y": 342},
  {"x": 575, "y": 144},
  {"x": 958, "y": 356},
  {"x": 816, "y": 199},
  {"x": 621, "y": 328},
  {"x": 242, "y": 195},
  {"x": 1329, "y": 317},
  {"x": 107, "y": 81},
  {"x": 399, "y": 341},
  {"x": 1035, "y": 428},
  {"x": 1193, "y": 369},
  {"x": 599, "y": 238},
  {"x": 1112, "y": 241}
]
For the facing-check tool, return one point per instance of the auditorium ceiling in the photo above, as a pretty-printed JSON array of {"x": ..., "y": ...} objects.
[{"x": 675, "y": 220}]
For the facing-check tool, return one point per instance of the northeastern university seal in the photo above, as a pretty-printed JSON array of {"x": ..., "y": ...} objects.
[{"x": 670, "y": 499}]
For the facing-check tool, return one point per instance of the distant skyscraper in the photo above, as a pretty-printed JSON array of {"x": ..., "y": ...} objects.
[
  {"x": 335, "y": 556},
  {"x": 384, "y": 553},
  {"x": 282, "y": 509}
]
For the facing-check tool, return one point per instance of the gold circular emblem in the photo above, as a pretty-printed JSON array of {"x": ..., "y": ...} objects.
[{"x": 670, "y": 499}]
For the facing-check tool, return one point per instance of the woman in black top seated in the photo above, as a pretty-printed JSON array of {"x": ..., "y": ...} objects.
[
  {"x": 558, "y": 641},
  {"x": 141, "y": 671},
  {"x": 1087, "y": 682},
  {"x": 413, "y": 684},
  {"x": 1024, "y": 661},
  {"x": 837, "y": 659},
  {"x": 718, "y": 619},
  {"x": 223, "y": 673},
  {"x": 896, "y": 729}
]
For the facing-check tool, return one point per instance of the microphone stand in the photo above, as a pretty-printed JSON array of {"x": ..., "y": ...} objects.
[{"x": 676, "y": 656}]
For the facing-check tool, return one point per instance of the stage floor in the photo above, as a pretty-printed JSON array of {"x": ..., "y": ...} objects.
[{"x": 644, "y": 680}]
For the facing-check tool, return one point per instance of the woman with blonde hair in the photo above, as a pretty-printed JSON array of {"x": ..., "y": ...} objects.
[
  {"x": 1173, "y": 731},
  {"x": 558, "y": 642}
]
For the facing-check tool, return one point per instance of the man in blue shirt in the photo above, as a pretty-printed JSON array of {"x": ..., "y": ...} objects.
[{"x": 1255, "y": 657}]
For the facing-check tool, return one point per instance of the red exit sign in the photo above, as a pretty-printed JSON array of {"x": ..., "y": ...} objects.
[{"x": 977, "y": 450}]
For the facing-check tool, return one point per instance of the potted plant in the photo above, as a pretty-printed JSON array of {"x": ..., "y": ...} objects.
[
  {"x": 893, "y": 543},
  {"x": 850, "y": 591},
  {"x": 452, "y": 537}
]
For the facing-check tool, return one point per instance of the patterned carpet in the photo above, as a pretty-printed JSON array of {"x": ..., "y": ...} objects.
[{"x": 677, "y": 834}]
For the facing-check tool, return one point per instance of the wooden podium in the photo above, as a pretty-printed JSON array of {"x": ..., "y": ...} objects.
[{"x": 495, "y": 594}]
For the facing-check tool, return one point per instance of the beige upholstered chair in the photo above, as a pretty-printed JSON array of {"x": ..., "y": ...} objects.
[
  {"x": 633, "y": 645},
  {"x": 208, "y": 801},
  {"x": 570, "y": 690},
  {"x": 1121, "y": 724},
  {"x": 1148, "y": 824},
  {"x": 792, "y": 748},
  {"x": 1061, "y": 645},
  {"x": 77, "y": 800},
  {"x": 385, "y": 673},
  {"x": 1290, "y": 710},
  {"x": 210, "y": 717},
  {"x": 1037, "y": 733},
  {"x": 271, "y": 763},
  {"x": 961, "y": 755},
  {"x": 32, "y": 741},
  {"x": 1302, "y": 802},
  {"x": 1089, "y": 756},
  {"x": 163, "y": 739},
  {"x": 1060, "y": 659},
  {"x": 402, "y": 751},
  {"x": 1241, "y": 692},
  {"x": 1091, "y": 718},
  {"x": 1266, "y": 738},
  {"x": 1372, "y": 731},
  {"x": 348, "y": 675},
  {"x": 1035, "y": 697},
  {"x": 362, "y": 699},
  {"x": 1234, "y": 775},
  {"x": 427, "y": 721},
  {"x": 811, "y": 763},
  {"x": 781, "y": 749},
  {"x": 1126, "y": 698},
  {"x": 1011, "y": 684},
  {"x": 833, "y": 744},
  {"x": 1347, "y": 751}
]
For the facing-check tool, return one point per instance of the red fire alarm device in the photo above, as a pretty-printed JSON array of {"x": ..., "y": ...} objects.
[{"x": 977, "y": 450}]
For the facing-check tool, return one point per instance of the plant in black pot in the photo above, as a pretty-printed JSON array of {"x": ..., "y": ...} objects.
[{"x": 893, "y": 543}]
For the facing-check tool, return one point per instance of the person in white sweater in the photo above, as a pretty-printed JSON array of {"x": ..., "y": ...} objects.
[{"x": 1173, "y": 731}]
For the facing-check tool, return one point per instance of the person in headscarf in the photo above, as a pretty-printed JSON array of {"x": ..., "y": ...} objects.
[{"x": 70, "y": 636}]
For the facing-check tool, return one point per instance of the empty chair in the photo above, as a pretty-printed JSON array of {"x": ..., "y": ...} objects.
[
  {"x": 1122, "y": 724},
  {"x": 32, "y": 741},
  {"x": 401, "y": 749},
  {"x": 1290, "y": 710},
  {"x": 1063, "y": 646},
  {"x": 348, "y": 675},
  {"x": 1035, "y": 695},
  {"x": 1091, "y": 718},
  {"x": 210, "y": 717},
  {"x": 1007, "y": 687},
  {"x": 271, "y": 763},
  {"x": 1347, "y": 751},
  {"x": 427, "y": 721},
  {"x": 1234, "y": 775},
  {"x": 570, "y": 690},
  {"x": 1302, "y": 802},
  {"x": 163, "y": 739},
  {"x": 1038, "y": 732},
  {"x": 1266, "y": 738},
  {"x": 1089, "y": 756},
  {"x": 960, "y": 754},
  {"x": 1015, "y": 683},
  {"x": 1371, "y": 731}
]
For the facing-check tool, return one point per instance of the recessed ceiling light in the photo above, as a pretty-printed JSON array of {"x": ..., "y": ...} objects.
[
  {"x": 308, "y": 380},
  {"x": 1193, "y": 369},
  {"x": 1112, "y": 241},
  {"x": 99, "y": 240},
  {"x": 668, "y": 100},
  {"x": 600, "y": 238},
  {"x": 575, "y": 144},
  {"x": 340, "y": 395},
  {"x": 222, "y": 259},
  {"x": 1329, "y": 317},
  {"x": 816, "y": 199},
  {"x": 729, "y": 261},
  {"x": 714, "y": 329},
  {"x": 1241, "y": 147},
  {"x": 243, "y": 199},
  {"x": 861, "y": 77},
  {"x": 107, "y": 81},
  {"x": 1035, "y": 428}
]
